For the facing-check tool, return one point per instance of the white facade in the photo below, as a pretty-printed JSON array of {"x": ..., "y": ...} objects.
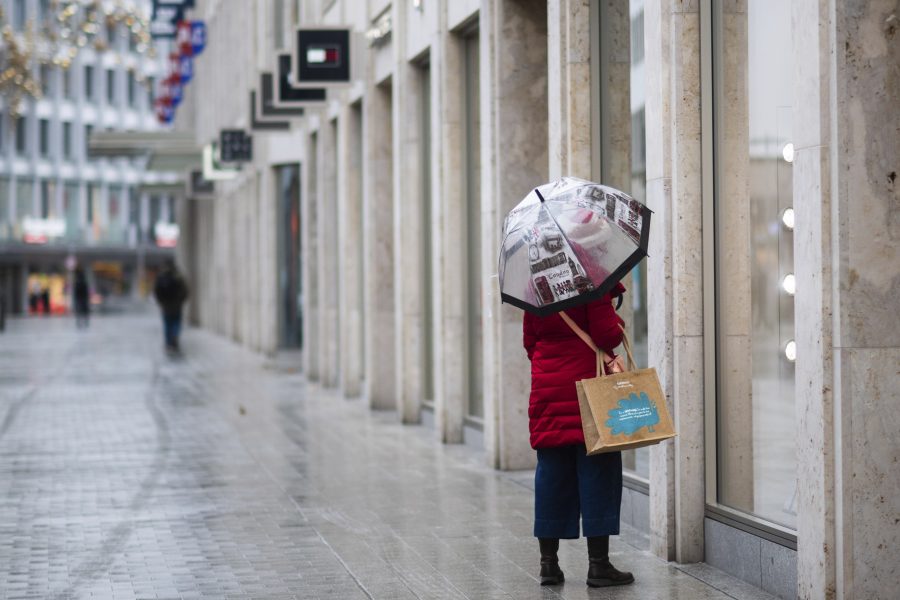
[{"x": 463, "y": 107}]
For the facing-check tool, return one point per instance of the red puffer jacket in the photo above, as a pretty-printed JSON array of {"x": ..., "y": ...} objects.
[{"x": 559, "y": 358}]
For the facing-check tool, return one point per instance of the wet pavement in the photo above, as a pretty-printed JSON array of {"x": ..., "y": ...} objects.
[{"x": 125, "y": 474}]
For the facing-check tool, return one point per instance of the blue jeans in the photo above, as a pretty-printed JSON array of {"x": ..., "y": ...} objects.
[
  {"x": 569, "y": 484},
  {"x": 172, "y": 329}
]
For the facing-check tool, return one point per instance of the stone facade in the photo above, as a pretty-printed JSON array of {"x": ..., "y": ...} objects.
[{"x": 384, "y": 225}]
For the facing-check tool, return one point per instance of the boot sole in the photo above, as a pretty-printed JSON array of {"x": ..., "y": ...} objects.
[
  {"x": 596, "y": 583},
  {"x": 553, "y": 580}
]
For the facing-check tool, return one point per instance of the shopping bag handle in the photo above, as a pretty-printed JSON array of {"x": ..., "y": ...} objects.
[{"x": 602, "y": 356}]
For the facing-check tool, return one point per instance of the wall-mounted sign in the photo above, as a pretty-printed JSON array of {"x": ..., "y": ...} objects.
[
  {"x": 288, "y": 95},
  {"x": 322, "y": 56},
  {"x": 41, "y": 231},
  {"x": 213, "y": 170},
  {"x": 166, "y": 234},
  {"x": 258, "y": 124},
  {"x": 235, "y": 146},
  {"x": 267, "y": 100}
]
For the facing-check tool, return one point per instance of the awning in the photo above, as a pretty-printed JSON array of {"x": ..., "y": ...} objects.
[{"x": 167, "y": 150}]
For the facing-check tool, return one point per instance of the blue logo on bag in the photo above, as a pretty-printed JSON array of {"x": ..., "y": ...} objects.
[{"x": 633, "y": 413}]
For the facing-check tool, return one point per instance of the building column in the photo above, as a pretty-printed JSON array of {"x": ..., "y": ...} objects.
[
  {"x": 410, "y": 335},
  {"x": 513, "y": 42},
  {"x": 675, "y": 274},
  {"x": 349, "y": 232},
  {"x": 846, "y": 192},
  {"x": 309, "y": 208},
  {"x": 327, "y": 197},
  {"x": 378, "y": 258}
]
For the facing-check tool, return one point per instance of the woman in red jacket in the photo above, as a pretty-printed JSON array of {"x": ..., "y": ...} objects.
[{"x": 568, "y": 483}]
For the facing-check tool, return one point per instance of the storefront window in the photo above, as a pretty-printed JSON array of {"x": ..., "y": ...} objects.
[
  {"x": 621, "y": 149},
  {"x": 472, "y": 152},
  {"x": 756, "y": 437}
]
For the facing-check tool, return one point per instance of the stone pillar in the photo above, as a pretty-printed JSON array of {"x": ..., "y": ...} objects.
[
  {"x": 569, "y": 72},
  {"x": 450, "y": 211},
  {"x": 675, "y": 276},
  {"x": 309, "y": 209},
  {"x": 514, "y": 160},
  {"x": 846, "y": 195},
  {"x": 329, "y": 340},
  {"x": 349, "y": 232},
  {"x": 659, "y": 264},
  {"x": 378, "y": 272},
  {"x": 410, "y": 336},
  {"x": 733, "y": 151}
]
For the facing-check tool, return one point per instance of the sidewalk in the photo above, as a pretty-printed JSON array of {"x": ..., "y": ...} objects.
[{"x": 124, "y": 474}]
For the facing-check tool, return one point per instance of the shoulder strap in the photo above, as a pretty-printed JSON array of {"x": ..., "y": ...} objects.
[{"x": 601, "y": 355}]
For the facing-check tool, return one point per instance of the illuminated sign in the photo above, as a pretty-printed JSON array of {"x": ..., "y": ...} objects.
[{"x": 323, "y": 56}]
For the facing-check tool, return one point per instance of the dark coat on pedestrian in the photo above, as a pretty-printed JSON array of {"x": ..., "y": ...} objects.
[
  {"x": 559, "y": 358},
  {"x": 81, "y": 295},
  {"x": 171, "y": 292}
]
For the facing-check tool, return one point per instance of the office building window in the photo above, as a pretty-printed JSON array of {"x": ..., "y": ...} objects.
[
  {"x": 67, "y": 84},
  {"x": 71, "y": 211},
  {"x": 24, "y": 190},
  {"x": 18, "y": 14},
  {"x": 44, "y": 137},
  {"x": 88, "y": 82},
  {"x": 48, "y": 199},
  {"x": 111, "y": 86},
  {"x": 151, "y": 90},
  {"x": 131, "y": 89},
  {"x": 45, "y": 74},
  {"x": 22, "y": 135},
  {"x": 67, "y": 140},
  {"x": 4, "y": 206},
  {"x": 756, "y": 434},
  {"x": 88, "y": 129}
]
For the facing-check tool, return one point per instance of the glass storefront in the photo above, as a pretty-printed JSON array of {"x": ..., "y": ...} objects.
[
  {"x": 289, "y": 256},
  {"x": 472, "y": 153},
  {"x": 620, "y": 155},
  {"x": 753, "y": 152}
]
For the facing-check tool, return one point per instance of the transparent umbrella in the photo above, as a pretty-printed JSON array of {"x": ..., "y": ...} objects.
[{"x": 568, "y": 242}]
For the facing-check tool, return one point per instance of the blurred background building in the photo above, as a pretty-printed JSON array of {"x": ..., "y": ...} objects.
[{"x": 90, "y": 71}]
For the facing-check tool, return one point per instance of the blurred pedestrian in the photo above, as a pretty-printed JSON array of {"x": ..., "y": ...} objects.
[
  {"x": 34, "y": 297},
  {"x": 81, "y": 297},
  {"x": 569, "y": 485},
  {"x": 45, "y": 300},
  {"x": 171, "y": 292}
]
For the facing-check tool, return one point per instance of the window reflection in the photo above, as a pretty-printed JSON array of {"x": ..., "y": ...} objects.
[{"x": 755, "y": 284}]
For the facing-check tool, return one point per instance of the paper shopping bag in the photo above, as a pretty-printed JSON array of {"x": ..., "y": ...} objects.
[{"x": 622, "y": 411}]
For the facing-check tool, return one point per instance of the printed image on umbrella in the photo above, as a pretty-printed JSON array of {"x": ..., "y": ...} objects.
[{"x": 569, "y": 242}]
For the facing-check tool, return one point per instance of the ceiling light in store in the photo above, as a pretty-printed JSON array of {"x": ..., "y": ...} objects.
[
  {"x": 790, "y": 351},
  {"x": 787, "y": 217},
  {"x": 789, "y": 284},
  {"x": 788, "y": 152}
]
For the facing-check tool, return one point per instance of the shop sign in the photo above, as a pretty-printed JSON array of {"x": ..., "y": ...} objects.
[
  {"x": 235, "y": 145},
  {"x": 41, "y": 231},
  {"x": 323, "y": 56},
  {"x": 287, "y": 93},
  {"x": 166, "y": 234}
]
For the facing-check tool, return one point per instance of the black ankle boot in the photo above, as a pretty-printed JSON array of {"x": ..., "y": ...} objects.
[
  {"x": 601, "y": 573},
  {"x": 551, "y": 574}
]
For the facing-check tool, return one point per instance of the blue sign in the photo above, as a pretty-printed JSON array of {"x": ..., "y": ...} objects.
[
  {"x": 633, "y": 413},
  {"x": 186, "y": 68},
  {"x": 198, "y": 36}
]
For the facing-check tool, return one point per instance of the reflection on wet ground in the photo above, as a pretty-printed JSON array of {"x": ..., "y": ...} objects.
[{"x": 125, "y": 474}]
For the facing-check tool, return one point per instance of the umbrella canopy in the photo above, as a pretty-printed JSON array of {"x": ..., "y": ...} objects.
[{"x": 569, "y": 242}]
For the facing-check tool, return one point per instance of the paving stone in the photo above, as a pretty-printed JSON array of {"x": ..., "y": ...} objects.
[{"x": 126, "y": 474}]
